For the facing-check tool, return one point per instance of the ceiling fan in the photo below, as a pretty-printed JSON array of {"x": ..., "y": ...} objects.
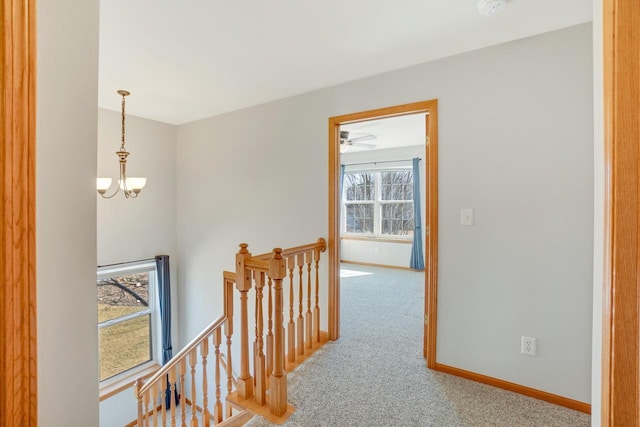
[{"x": 346, "y": 142}]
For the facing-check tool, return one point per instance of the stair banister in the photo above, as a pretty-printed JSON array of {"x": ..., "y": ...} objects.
[
  {"x": 262, "y": 388},
  {"x": 320, "y": 244},
  {"x": 175, "y": 360}
]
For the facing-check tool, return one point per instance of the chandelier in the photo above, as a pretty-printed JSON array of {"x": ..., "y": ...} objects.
[{"x": 130, "y": 186}]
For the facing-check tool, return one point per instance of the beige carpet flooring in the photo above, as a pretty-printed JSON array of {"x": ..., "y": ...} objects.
[{"x": 375, "y": 375}]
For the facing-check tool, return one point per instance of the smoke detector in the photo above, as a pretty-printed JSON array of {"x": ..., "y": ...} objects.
[{"x": 490, "y": 7}]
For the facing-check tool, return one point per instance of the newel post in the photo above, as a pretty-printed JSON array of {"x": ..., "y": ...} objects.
[
  {"x": 243, "y": 283},
  {"x": 278, "y": 381}
]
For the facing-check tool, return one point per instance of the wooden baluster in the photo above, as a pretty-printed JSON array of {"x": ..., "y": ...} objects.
[
  {"x": 154, "y": 403},
  {"x": 300, "y": 307},
  {"x": 172, "y": 393},
  {"x": 228, "y": 331},
  {"x": 291, "y": 327},
  {"x": 193, "y": 361},
  {"x": 255, "y": 331},
  {"x": 260, "y": 393},
  {"x": 183, "y": 405},
  {"x": 316, "y": 310},
  {"x": 270, "y": 329},
  {"x": 278, "y": 390},
  {"x": 204, "y": 352},
  {"x": 145, "y": 408},
  {"x": 243, "y": 283},
  {"x": 163, "y": 399},
  {"x": 308, "y": 315},
  {"x": 217, "y": 409},
  {"x": 139, "y": 384}
]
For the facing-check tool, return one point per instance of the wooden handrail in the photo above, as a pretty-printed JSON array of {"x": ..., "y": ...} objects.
[
  {"x": 228, "y": 277},
  {"x": 320, "y": 244},
  {"x": 175, "y": 359},
  {"x": 254, "y": 263},
  {"x": 266, "y": 274}
]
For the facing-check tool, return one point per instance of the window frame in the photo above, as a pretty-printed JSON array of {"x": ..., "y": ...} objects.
[
  {"x": 126, "y": 378},
  {"x": 377, "y": 207}
]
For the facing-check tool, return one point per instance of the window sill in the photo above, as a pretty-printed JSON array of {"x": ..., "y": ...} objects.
[
  {"x": 115, "y": 385},
  {"x": 377, "y": 239}
]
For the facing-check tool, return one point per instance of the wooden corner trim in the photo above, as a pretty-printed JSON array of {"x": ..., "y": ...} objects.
[
  {"x": 620, "y": 405},
  {"x": 18, "y": 333},
  {"x": 516, "y": 388}
]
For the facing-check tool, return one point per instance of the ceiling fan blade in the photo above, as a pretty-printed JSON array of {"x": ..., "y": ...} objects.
[
  {"x": 363, "y": 138},
  {"x": 364, "y": 144}
]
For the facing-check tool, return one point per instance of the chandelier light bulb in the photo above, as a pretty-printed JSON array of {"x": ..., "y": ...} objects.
[
  {"x": 133, "y": 183},
  {"x": 103, "y": 184}
]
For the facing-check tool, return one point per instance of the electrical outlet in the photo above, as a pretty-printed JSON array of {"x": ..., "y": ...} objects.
[{"x": 528, "y": 346}]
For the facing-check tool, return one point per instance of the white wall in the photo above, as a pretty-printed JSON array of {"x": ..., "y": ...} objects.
[
  {"x": 140, "y": 228},
  {"x": 379, "y": 251},
  {"x": 67, "y": 99},
  {"x": 515, "y": 140},
  {"x": 598, "y": 223}
]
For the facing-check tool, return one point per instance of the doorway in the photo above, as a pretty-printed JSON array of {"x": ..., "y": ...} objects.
[{"x": 428, "y": 110}]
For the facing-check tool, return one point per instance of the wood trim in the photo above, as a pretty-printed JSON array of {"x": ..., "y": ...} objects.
[
  {"x": 431, "y": 220},
  {"x": 621, "y": 287},
  {"x": 431, "y": 245},
  {"x": 333, "y": 317},
  {"x": 516, "y": 388},
  {"x": 134, "y": 423},
  {"x": 239, "y": 419},
  {"x": 18, "y": 402},
  {"x": 261, "y": 410},
  {"x": 377, "y": 239},
  {"x": 190, "y": 403},
  {"x": 371, "y": 264},
  {"x": 127, "y": 382}
]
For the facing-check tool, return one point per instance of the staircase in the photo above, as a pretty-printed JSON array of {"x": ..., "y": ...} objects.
[{"x": 190, "y": 389}]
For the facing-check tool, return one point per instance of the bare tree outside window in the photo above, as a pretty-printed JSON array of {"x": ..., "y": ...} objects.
[
  {"x": 379, "y": 203},
  {"x": 124, "y": 322},
  {"x": 360, "y": 194},
  {"x": 397, "y": 217}
]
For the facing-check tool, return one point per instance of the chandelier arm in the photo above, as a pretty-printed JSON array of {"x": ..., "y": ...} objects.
[{"x": 108, "y": 197}]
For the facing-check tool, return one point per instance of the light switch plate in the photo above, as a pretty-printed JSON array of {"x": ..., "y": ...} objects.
[{"x": 466, "y": 216}]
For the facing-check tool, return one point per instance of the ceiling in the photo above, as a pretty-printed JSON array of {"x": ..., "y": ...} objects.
[
  {"x": 387, "y": 133},
  {"x": 191, "y": 59}
]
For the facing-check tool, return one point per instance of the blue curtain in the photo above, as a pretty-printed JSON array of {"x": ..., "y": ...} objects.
[
  {"x": 164, "y": 292},
  {"x": 417, "y": 258},
  {"x": 164, "y": 296},
  {"x": 341, "y": 182}
]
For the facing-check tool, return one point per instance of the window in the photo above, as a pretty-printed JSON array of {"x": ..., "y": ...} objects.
[
  {"x": 128, "y": 319},
  {"x": 378, "y": 203}
]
